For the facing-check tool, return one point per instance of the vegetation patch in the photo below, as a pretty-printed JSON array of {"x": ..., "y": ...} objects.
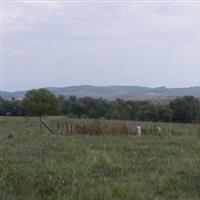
[{"x": 45, "y": 166}]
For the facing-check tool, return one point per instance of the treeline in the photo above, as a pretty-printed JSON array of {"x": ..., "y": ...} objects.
[{"x": 185, "y": 109}]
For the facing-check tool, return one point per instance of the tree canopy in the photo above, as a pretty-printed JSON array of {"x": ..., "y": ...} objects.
[{"x": 41, "y": 102}]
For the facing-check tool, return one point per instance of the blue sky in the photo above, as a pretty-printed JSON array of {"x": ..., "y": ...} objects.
[{"x": 100, "y": 43}]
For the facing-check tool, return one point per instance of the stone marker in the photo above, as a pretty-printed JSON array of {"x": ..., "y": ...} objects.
[
  {"x": 139, "y": 130},
  {"x": 159, "y": 129}
]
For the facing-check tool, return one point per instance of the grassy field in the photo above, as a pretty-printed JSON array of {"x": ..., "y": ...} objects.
[{"x": 99, "y": 166}]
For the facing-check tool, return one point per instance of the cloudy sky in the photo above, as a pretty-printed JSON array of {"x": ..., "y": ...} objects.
[{"x": 62, "y": 43}]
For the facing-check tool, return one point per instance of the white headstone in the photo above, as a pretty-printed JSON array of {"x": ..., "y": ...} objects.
[
  {"x": 139, "y": 130},
  {"x": 159, "y": 129}
]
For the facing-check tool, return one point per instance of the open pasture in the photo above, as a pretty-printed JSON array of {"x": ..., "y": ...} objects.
[{"x": 104, "y": 163}]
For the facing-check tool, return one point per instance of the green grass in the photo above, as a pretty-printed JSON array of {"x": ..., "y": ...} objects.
[{"x": 36, "y": 166}]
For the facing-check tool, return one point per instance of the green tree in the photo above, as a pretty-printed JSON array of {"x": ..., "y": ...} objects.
[
  {"x": 41, "y": 102},
  {"x": 114, "y": 111},
  {"x": 185, "y": 109},
  {"x": 146, "y": 111},
  {"x": 164, "y": 113},
  {"x": 79, "y": 108}
]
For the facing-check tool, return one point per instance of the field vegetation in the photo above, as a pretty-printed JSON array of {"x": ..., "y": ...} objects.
[{"x": 102, "y": 162}]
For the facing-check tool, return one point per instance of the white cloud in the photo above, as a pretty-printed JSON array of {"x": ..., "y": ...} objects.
[
  {"x": 21, "y": 16},
  {"x": 157, "y": 22},
  {"x": 80, "y": 38}
]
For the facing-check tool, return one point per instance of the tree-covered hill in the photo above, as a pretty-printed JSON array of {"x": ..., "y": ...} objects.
[{"x": 114, "y": 92}]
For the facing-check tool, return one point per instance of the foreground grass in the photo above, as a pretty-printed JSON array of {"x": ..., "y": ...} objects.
[{"x": 39, "y": 167}]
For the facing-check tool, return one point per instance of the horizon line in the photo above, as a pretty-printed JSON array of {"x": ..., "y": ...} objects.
[{"x": 91, "y": 85}]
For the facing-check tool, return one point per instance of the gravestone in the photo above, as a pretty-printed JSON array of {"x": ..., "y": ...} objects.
[{"x": 139, "y": 130}]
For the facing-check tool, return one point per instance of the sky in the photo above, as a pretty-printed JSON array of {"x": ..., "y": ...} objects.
[{"x": 111, "y": 42}]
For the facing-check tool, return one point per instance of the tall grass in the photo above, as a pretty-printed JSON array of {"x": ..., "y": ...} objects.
[
  {"x": 67, "y": 126},
  {"x": 37, "y": 166}
]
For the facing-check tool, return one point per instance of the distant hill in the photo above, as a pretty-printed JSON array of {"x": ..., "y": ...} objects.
[{"x": 114, "y": 92}]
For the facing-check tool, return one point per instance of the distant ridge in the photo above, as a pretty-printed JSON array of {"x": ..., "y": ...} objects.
[{"x": 114, "y": 92}]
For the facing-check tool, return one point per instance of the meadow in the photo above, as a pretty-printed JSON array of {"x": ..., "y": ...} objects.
[{"x": 98, "y": 160}]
